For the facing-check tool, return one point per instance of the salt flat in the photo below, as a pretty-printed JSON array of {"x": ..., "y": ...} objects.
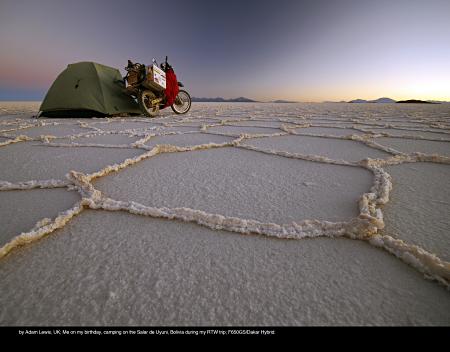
[
  {"x": 418, "y": 209},
  {"x": 423, "y": 146},
  {"x": 234, "y": 214},
  {"x": 241, "y": 184},
  {"x": 328, "y": 147}
]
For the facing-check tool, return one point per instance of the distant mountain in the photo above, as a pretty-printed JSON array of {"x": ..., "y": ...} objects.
[
  {"x": 207, "y": 99},
  {"x": 284, "y": 101},
  {"x": 242, "y": 100},
  {"x": 358, "y": 101},
  {"x": 222, "y": 100},
  {"x": 416, "y": 101},
  {"x": 382, "y": 100},
  {"x": 378, "y": 101},
  {"x": 438, "y": 101}
]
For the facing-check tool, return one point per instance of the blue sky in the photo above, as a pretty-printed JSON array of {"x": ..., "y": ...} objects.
[{"x": 302, "y": 50}]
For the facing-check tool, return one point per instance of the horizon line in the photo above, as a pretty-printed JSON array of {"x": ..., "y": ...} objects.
[{"x": 286, "y": 101}]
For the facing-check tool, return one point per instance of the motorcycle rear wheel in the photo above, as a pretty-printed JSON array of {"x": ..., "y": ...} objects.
[
  {"x": 145, "y": 103},
  {"x": 182, "y": 102}
]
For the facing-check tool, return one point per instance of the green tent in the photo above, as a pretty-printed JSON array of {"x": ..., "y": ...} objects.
[{"x": 87, "y": 89}]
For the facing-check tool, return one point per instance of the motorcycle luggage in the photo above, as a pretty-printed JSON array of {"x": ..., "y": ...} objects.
[
  {"x": 133, "y": 77},
  {"x": 156, "y": 78}
]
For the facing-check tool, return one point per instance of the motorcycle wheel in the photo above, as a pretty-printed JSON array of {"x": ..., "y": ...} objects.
[
  {"x": 145, "y": 103},
  {"x": 182, "y": 102}
]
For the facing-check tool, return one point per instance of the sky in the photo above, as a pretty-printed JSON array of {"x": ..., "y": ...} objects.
[{"x": 303, "y": 50}]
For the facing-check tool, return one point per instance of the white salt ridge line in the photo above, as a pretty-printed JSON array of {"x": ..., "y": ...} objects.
[
  {"x": 330, "y": 136},
  {"x": 440, "y": 126},
  {"x": 306, "y": 228},
  {"x": 167, "y": 133},
  {"x": 9, "y": 123},
  {"x": 121, "y": 121},
  {"x": 307, "y": 157},
  {"x": 409, "y": 128},
  {"x": 414, "y": 137},
  {"x": 291, "y": 129},
  {"x": 405, "y": 136},
  {"x": 21, "y": 138},
  {"x": 43, "y": 137},
  {"x": 182, "y": 124},
  {"x": 96, "y": 134},
  {"x": 147, "y": 137},
  {"x": 78, "y": 135},
  {"x": 42, "y": 228},
  {"x": 96, "y": 129},
  {"x": 17, "y": 129},
  {"x": 382, "y": 183},
  {"x": 427, "y": 263},
  {"x": 100, "y": 132},
  {"x": 268, "y": 119},
  {"x": 367, "y": 123},
  {"x": 365, "y": 139},
  {"x": 130, "y": 161},
  {"x": 95, "y": 145},
  {"x": 168, "y": 148},
  {"x": 244, "y": 136},
  {"x": 251, "y": 126},
  {"x": 361, "y": 227},
  {"x": 83, "y": 124},
  {"x": 250, "y": 135},
  {"x": 114, "y": 121},
  {"x": 139, "y": 143},
  {"x": 9, "y": 186},
  {"x": 418, "y": 129},
  {"x": 353, "y": 127},
  {"x": 224, "y": 122},
  {"x": 21, "y": 122},
  {"x": 47, "y": 138},
  {"x": 358, "y": 228},
  {"x": 157, "y": 132},
  {"x": 132, "y": 131},
  {"x": 152, "y": 151},
  {"x": 372, "y": 144},
  {"x": 345, "y": 124},
  {"x": 82, "y": 183},
  {"x": 406, "y": 158}
]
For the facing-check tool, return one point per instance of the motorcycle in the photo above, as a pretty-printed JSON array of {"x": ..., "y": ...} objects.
[{"x": 156, "y": 88}]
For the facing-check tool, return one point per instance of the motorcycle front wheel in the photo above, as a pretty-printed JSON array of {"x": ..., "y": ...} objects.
[
  {"x": 145, "y": 103},
  {"x": 182, "y": 103}
]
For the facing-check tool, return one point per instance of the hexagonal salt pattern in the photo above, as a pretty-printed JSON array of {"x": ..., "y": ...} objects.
[
  {"x": 113, "y": 268},
  {"x": 226, "y": 215}
]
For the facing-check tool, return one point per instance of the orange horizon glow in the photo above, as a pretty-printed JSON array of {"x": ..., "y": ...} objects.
[{"x": 308, "y": 51}]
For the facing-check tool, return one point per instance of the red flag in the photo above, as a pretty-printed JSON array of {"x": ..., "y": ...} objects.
[{"x": 171, "y": 87}]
